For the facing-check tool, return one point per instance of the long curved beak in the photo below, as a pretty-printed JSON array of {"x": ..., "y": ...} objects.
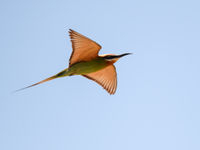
[
  {"x": 124, "y": 54},
  {"x": 112, "y": 57}
]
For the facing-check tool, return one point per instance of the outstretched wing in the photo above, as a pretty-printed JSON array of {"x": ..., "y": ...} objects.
[
  {"x": 106, "y": 77},
  {"x": 84, "y": 49}
]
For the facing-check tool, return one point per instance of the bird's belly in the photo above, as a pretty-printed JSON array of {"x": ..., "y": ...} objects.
[{"x": 82, "y": 68}]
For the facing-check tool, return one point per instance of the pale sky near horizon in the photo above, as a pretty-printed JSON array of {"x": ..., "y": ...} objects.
[{"x": 157, "y": 102}]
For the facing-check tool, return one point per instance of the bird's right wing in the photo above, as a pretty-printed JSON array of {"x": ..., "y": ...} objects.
[
  {"x": 106, "y": 77},
  {"x": 84, "y": 49}
]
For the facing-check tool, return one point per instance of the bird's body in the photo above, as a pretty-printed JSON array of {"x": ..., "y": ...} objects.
[
  {"x": 85, "y": 67},
  {"x": 85, "y": 61}
]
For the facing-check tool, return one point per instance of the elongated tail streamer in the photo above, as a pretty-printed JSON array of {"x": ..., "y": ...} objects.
[
  {"x": 60, "y": 74},
  {"x": 45, "y": 80}
]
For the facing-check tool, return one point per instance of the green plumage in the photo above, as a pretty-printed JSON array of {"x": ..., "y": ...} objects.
[{"x": 82, "y": 68}]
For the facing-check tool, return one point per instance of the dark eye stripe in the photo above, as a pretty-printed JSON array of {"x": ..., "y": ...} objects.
[{"x": 110, "y": 57}]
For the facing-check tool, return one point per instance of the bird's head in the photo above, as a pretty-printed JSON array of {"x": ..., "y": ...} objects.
[{"x": 113, "y": 58}]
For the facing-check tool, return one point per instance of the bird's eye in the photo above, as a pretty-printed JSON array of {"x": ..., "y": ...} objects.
[{"x": 109, "y": 57}]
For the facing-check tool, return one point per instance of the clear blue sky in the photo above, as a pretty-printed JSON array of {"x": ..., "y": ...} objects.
[{"x": 157, "y": 103}]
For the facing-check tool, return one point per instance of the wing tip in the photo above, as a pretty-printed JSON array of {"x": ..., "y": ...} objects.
[{"x": 70, "y": 31}]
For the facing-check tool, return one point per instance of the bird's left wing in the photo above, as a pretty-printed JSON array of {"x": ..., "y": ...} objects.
[
  {"x": 106, "y": 77},
  {"x": 84, "y": 49}
]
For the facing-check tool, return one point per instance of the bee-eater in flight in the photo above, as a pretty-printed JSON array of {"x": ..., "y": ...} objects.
[{"x": 85, "y": 61}]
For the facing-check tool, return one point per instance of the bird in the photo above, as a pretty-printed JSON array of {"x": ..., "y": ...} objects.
[{"x": 85, "y": 61}]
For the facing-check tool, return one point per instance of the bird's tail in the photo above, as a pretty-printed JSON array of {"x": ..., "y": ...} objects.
[
  {"x": 60, "y": 74},
  {"x": 45, "y": 80}
]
